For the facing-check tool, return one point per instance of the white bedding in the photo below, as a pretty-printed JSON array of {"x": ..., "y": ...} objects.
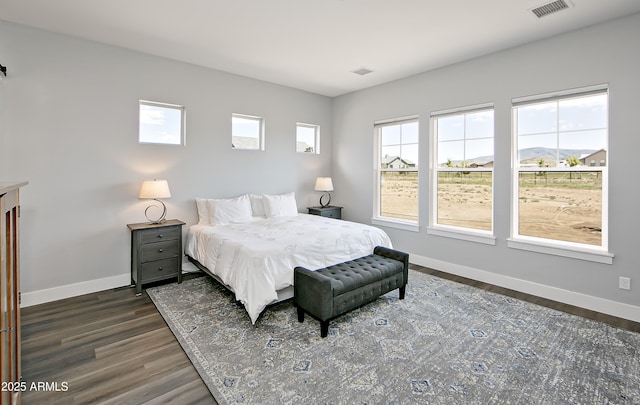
[{"x": 257, "y": 258}]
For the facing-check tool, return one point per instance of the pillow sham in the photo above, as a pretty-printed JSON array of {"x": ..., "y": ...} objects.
[
  {"x": 229, "y": 211},
  {"x": 283, "y": 205},
  {"x": 203, "y": 212},
  {"x": 257, "y": 205}
]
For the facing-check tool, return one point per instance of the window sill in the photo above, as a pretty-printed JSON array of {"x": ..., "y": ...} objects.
[
  {"x": 468, "y": 235},
  {"x": 591, "y": 255},
  {"x": 404, "y": 225}
]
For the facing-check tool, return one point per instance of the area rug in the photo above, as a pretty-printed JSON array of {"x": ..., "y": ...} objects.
[{"x": 445, "y": 343}]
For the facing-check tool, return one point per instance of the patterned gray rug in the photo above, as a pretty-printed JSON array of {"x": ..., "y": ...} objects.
[{"x": 446, "y": 343}]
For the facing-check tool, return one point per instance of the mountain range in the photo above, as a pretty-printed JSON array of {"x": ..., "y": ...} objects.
[{"x": 532, "y": 155}]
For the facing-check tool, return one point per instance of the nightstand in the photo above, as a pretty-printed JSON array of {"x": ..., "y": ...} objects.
[
  {"x": 329, "y": 212},
  {"x": 156, "y": 252}
]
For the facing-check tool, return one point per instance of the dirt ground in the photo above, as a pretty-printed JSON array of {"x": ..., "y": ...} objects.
[
  {"x": 547, "y": 212},
  {"x": 569, "y": 214}
]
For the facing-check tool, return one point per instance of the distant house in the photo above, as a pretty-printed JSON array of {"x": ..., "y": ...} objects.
[
  {"x": 245, "y": 142},
  {"x": 396, "y": 162},
  {"x": 303, "y": 147},
  {"x": 597, "y": 158}
]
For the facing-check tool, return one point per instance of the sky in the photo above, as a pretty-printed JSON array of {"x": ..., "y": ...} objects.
[
  {"x": 571, "y": 123},
  {"x": 159, "y": 124}
]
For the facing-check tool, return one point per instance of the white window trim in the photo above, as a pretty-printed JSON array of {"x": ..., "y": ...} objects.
[
  {"x": 468, "y": 234},
  {"x": 455, "y": 232},
  {"x": 569, "y": 93},
  {"x": 572, "y": 250},
  {"x": 376, "y": 218},
  {"x": 183, "y": 121},
  {"x": 599, "y": 254},
  {"x": 316, "y": 137},
  {"x": 261, "y": 140},
  {"x": 462, "y": 110},
  {"x": 396, "y": 223}
]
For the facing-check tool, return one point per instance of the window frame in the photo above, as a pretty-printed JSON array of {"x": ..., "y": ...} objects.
[
  {"x": 378, "y": 219},
  {"x": 157, "y": 104},
  {"x": 316, "y": 137},
  {"x": 261, "y": 130},
  {"x": 453, "y": 231},
  {"x": 564, "y": 248}
]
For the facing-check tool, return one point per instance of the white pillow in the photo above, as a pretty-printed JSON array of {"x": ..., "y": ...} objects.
[
  {"x": 229, "y": 211},
  {"x": 257, "y": 206},
  {"x": 283, "y": 205},
  {"x": 203, "y": 212}
]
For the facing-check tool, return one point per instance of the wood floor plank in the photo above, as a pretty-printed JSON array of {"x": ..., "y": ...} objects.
[
  {"x": 184, "y": 395},
  {"x": 109, "y": 347}
]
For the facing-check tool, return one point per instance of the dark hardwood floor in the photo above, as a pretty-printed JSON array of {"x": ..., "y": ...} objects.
[
  {"x": 109, "y": 347},
  {"x": 112, "y": 347}
]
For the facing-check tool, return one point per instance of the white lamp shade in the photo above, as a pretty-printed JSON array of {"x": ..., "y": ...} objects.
[
  {"x": 154, "y": 189},
  {"x": 324, "y": 184}
]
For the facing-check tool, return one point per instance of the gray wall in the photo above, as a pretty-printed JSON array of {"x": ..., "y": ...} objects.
[
  {"x": 606, "y": 53},
  {"x": 70, "y": 124}
]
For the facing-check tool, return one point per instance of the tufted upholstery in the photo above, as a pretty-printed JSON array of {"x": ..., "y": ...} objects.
[{"x": 337, "y": 289}]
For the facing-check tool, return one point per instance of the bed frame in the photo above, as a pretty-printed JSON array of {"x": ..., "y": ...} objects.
[{"x": 283, "y": 295}]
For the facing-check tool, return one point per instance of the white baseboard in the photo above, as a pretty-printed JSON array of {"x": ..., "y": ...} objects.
[
  {"x": 74, "y": 290},
  {"x": 85, "y": 287},
  {"x": 602, "y": 305}
]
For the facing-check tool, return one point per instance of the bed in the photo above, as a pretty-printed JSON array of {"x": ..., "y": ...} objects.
[{"x": 252, "y": 243}]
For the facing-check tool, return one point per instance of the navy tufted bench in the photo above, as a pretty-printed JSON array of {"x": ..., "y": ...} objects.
[{"x": 332, "y": 291}]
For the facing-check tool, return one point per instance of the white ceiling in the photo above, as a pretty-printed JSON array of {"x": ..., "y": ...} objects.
[{"x": 313, "y": 45}]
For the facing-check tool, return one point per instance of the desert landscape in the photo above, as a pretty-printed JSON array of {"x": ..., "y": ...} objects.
[{"x": 556, "y": 205}]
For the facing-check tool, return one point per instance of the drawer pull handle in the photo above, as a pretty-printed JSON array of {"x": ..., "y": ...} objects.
[
  {"x": 160, "y": 250},
  {"x": 161, "y": 236},
  {"x": 159, "y": 268}
]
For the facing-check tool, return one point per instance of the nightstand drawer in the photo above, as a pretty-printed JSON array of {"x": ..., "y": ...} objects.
[
  {"x": 159, "y": 250},
  {"x": 332, "y": 214},
  {"x": 160, "y": 234},
  {"x": 160, "y": 269},
  {"x": 327, "y": 212}
]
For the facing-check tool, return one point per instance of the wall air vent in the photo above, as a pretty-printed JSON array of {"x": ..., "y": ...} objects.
[{"x": 550, "y": 8}]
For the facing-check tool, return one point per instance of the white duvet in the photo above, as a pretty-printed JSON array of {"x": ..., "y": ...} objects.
[{"x": 257, "y": 258}]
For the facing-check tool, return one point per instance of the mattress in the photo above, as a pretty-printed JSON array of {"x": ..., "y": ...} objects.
[{"x": 257, "y": 258}]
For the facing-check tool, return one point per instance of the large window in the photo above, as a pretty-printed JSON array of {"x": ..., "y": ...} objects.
[
  {"x": 560, "y": 168},
  {"x": 247, "y": 132},
  {"x": 397, "y": 168},
  {"x": 307, "y": 138},
  {"x": 463, "y": 170},
  {"x": 161, "y": 123}
]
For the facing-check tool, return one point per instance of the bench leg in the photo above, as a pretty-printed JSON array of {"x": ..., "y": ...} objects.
[
  {"x": 324, "y": 328},
  {"x": 300, "y": 315},
  {"x": 402, "y": 290}
]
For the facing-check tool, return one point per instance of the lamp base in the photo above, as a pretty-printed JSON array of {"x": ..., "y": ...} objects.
[
  {"x": 160, "y": 219},
  {"x": 328, "y": 195}
]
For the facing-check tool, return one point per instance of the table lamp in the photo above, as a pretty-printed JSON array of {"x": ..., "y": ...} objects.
[
  {"x": 155, "y": 189},
  {"x": 324, "y": 184}
]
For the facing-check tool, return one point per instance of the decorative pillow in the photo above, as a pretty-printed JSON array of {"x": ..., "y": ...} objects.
[
  {"x": 283, "y": 205},
  {"x": 229, "y": 211},
  {"x": 257, "y": 206},
  {"x": 203, "y": 212}
]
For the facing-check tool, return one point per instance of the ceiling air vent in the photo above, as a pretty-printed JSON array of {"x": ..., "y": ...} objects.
[
  {"x": 550, "y": 8},
  {"x": 362, "y": 71}
]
